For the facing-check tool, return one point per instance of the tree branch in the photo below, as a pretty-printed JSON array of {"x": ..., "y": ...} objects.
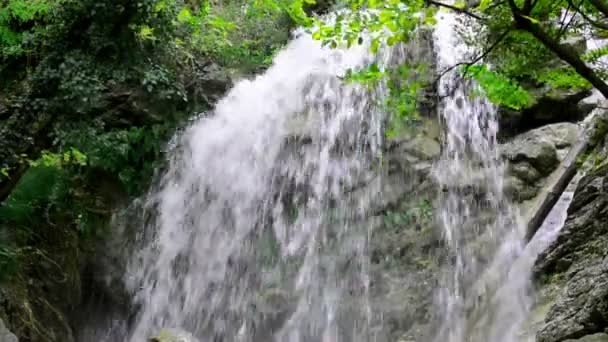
[
  {"x": 477, "y": 59},
  {"x": 601, "y": 6},
  {"x": 528, "y": 5},
  {"x": 455, "y": 9},
  {"x": 565, "y": 53},
  {"x": 513, "y": 6},
  {"x": 595, "y": 23}
]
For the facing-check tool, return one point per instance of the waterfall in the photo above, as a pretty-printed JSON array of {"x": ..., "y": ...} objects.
[
  {"x": 257, "y": 231},
  {"x": 482, "y": 230}
]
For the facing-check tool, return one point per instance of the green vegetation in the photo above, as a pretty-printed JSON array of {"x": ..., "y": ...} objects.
[
  {"x": 415, "y": 216},
  {"x": 519, "y": 44},
  {"x": 91, "y": 92},
  {"x": 499, "y": 88}
]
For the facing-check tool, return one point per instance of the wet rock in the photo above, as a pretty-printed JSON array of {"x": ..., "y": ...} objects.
[
  {"x": 525, "y": 172},
  {"x": 581, "y": 307},
  {"x": 424, "y": 147},
  {"x": 601, "y": 337},
  {"x": 405, "y": 239},
  {"x": 533, "y": 156},
  {"x": 577, "y": 263},
  {"x": 538, "y": 153},
  {"x": 577, "y": 43},
  {"x": 6, "y": 335},
  {"x": 518, "y": 190},
  {"x": 549, "y": 106}
]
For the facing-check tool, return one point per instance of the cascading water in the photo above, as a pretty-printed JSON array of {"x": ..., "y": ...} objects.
[
  {"x": 257, "y": 235},
  {"x": 482, "y": 230},
  {"x": 258, "y": 228}
]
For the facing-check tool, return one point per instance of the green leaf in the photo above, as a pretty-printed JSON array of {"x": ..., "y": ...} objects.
[
  {"x": 460, "y": 4},
  {"x": 532, "y": 20},
  {"x": 484, "y": 4},
  {"x": 184, "y": 15},
  {"x": 499, "y": 89}
]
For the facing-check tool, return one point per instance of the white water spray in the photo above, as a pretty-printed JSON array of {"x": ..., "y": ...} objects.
[
  {"x": 482, "y": 230},
  {"x": 258, "y": 234},
  {"x": 258, "y": 229}
]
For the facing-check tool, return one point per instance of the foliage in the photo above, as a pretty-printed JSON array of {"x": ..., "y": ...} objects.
[
  {"x": 243, "y": 34},
  {"x": 42, "y": 191},
  {"x": 114, "y": 79},
  {"x": 417, "y": 213},
  {"x": 512, "y": 58},
  {"x": 498, "y": 88},
  {"x": 13, "y": 42},
  {"x": 563, "y": 78},
  {"x": 131, "y": 154},
  {"x": 75, "y": 61}
]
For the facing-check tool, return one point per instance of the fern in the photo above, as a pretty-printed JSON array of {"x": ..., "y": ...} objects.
[{"x": 595, "y": 55}]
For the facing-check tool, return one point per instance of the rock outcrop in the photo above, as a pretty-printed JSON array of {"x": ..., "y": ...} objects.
[
  {"x": 576, "y": 263},
  {"x": 406, "y": 242},
  {"x": 6, "y": 335},
  {"x": 550, "y": 106},
  {"x": 405, "y": 236},
  {"x": 533, "y": 156}
]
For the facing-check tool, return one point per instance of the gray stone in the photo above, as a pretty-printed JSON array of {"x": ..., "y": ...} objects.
[
  {"x": 601, "y": 337},
  {"x": 518, "y": 190},
  {"x": 578, "y": 43},
  {"x": 524, "y": 171},
  {"x": 561, "y": 135},
  {"x": 535, "y": 154},
  {"x": 538, "y": 152},
  {"x": 577, "y": 263},
  {"x": 549, "y": 106},
  {"x": 6, "y": 335},
  {"x": 426, "y": 148}
]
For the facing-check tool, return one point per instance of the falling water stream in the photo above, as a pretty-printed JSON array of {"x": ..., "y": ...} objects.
[
  {"x": 259, "y": 232},
  {"x": 482, "y": 229}
]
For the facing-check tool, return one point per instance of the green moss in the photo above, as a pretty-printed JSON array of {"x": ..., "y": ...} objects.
[{"x": 411, "y": 216}]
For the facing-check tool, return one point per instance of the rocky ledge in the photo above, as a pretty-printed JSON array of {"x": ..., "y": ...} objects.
[{"x": 575, "y": 266}]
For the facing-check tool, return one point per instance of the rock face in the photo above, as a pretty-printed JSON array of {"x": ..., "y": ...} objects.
[
  {"x": 405, "y": 237},
  {"x": 577, "y": 262},
  {"x": 6, "y": 335},
  {"x": 549, "y": 106},
  {"x": 534, "y": 155},
  {"x": 406, "y": 241},
  {"x": 591, "y": 338}
]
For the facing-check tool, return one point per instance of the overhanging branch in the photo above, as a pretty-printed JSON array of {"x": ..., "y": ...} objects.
[
  {"x": 476, "y": 59},
  {"x": 455, "y": 9},
  {"x": 593, "y": 22}
]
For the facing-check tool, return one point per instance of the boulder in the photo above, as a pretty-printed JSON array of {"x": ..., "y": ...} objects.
[
  {"x": 533, "y": 156},
  {"x": 549, "y": 106},
  {"x": 6, "y": 335},
  {"x": 538, "y": 153}
]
